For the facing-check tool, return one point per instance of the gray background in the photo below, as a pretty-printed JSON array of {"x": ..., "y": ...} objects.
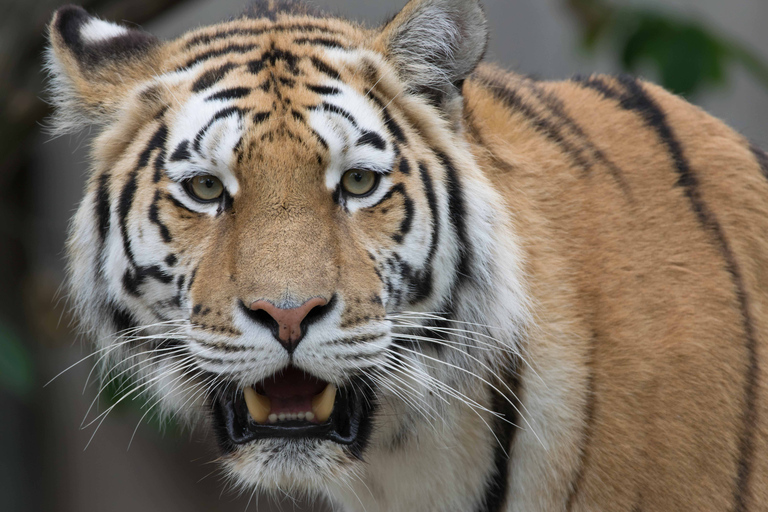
[{"x": 174, "y": 472}]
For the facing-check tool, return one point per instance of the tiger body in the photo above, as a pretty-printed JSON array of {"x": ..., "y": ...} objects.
[{"x": 553, "y": 298}]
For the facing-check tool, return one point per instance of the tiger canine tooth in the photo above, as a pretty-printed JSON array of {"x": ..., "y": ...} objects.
[
  {"x": 258, "y": 405},
  {"x": 322, "y": 404}
]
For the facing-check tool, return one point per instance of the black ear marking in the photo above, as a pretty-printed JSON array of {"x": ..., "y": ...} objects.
[{"x": 94, "y": 42}]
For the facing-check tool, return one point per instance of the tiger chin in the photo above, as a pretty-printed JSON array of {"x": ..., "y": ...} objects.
[{"x": 388, "y": 274}]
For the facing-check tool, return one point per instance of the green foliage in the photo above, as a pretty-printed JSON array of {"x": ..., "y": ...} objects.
[
  {"x": 687, "y": 55},
  {"x": 16, "y": 369}
]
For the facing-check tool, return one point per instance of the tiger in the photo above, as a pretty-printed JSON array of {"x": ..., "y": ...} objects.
[{"x": 388, "y": 275}]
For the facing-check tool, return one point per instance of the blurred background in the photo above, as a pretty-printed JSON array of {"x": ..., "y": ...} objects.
[{"x": 712, "y": 51}]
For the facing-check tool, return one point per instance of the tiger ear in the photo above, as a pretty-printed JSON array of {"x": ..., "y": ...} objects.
[
  {"x": 93, "y": 65},
  {"x": 435, "y": 45}
]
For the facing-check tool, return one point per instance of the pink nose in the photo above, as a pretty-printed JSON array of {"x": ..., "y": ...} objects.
[{"x": 288, "y": 320}]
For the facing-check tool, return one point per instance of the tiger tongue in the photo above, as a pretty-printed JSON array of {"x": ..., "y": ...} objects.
[{"x": 292, "y": 385}]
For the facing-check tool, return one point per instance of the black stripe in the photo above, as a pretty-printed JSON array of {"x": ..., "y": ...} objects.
[
  {"x": 762, "y": 159},
  {"x": 271, "y": 56},
  {"x": 255, "y": 66},
  {"x": 181, "y": 152},
  {"x": 179, "y": 204},
  {"x": 497, "y": 485},
  {"x": 589, "y": 421},
  {"x": 212, "y": 77},
  {"x": 390, "y": 123},
  {"x": 422, "y": 281},
  {"x": 230, "y": 94},
  {"x": 598, "y": 84},
  {"x": 102, "y": 208},
  {"x": 297, "y": 115},
  {"x": 157, "y": 140},
  {"x": 192, "y": 277},
  {"x": 171, "y": 260},
  {"x": 337, "y": 110},
  {"x": 557, "y": 109},
  {"x": 325, "y": 68},
  {"x": 159, "y": 165},
  {"x": 320, "y": 139},
  {"x": 404, "y": 166},
  {"x": 319, "y": 41},
  {"x": 221, "y": 114},
  {"x": 358, "y": 339},
  {"x": 179, "y": 290},
  {"x": 429, "y": 191},
  {"x": 393, "y": 127},
  {"x": 232, "y": 48},
  {"x": 323, "y": 89},
  {"x": 209, "y": 38},
  {"x": 512, "y": 99},
  {"x": 405, "y": 224},
  {"x": 372, "y": 139},
  {"x": 260, "y": 117},
  {"x": 457, "y": 212},
  {"x": 638, "y": 101},
  {"x": 154, "y": 217},
  {"x": 288, "y": 82},
  {"x": 132, "y": 280},
  {"x": 130, "y": 283},
  {"x": 123, "y": 207},
  {"x": 121, "y": 318},
  {"x": 266, "y": 85}
]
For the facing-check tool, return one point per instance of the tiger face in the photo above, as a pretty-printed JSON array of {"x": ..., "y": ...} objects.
[{"x": 283, "y": 227}]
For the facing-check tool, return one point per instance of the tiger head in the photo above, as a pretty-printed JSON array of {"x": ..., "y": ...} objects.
[{"x": 285, "y": 235}]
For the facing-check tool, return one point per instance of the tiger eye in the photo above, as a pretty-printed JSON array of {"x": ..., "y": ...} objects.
[
  {"x": 358, "y": 182},
  {"x": 205, "y": 188}
]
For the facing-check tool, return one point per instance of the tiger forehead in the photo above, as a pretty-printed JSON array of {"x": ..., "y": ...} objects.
[
  {"x": 240, "y": 40},
  {"x": 269, "y": 72}
]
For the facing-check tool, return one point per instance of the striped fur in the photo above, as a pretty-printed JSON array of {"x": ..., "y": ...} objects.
[{"x": 556, "y": 294}]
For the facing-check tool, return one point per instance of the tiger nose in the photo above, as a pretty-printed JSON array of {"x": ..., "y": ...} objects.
[{"x": 289, "y": 321}]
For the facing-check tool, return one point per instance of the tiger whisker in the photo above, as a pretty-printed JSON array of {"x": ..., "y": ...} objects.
[
  {"x": 185, "y": 362},
  {"x": 120, "y": 388},
  {"x": 155, "y": 355},
  {"x": 107, "y": 348},
  {"x": 485, "y": 381},
  {"x": 462, "y": 397},
  {"x": 455, "y": 393},
  {"x": 144, "y": 341},
  {"x": 158, "y": 400}
]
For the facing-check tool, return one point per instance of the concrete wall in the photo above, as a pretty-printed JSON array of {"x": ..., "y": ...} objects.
[{"x": 532, "y": 36}]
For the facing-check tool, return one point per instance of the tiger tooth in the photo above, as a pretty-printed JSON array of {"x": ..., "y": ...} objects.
[
  {"x": 258, "y": 405},
  {"x": 322, "y": 404}
]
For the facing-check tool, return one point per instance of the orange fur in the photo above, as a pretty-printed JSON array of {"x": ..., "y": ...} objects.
[{"x": 642, "y": 220}]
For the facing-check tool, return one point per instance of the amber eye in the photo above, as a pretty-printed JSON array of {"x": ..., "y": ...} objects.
[
  {"x": 205, "y": 188},
  {"x": 359, "y": 182}
]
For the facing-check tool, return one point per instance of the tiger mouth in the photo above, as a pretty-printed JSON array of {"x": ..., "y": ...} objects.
[{"x": 290, "y": 404}]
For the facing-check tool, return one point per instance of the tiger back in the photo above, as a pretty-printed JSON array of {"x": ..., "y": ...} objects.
[{"x": 383, "y": 272}]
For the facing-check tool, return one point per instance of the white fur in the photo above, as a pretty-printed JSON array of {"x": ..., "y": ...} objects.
[{"x": 96, "y": 31}]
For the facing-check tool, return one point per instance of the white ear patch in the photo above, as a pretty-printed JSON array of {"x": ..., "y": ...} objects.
[{"x": 96, "y": 30}]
